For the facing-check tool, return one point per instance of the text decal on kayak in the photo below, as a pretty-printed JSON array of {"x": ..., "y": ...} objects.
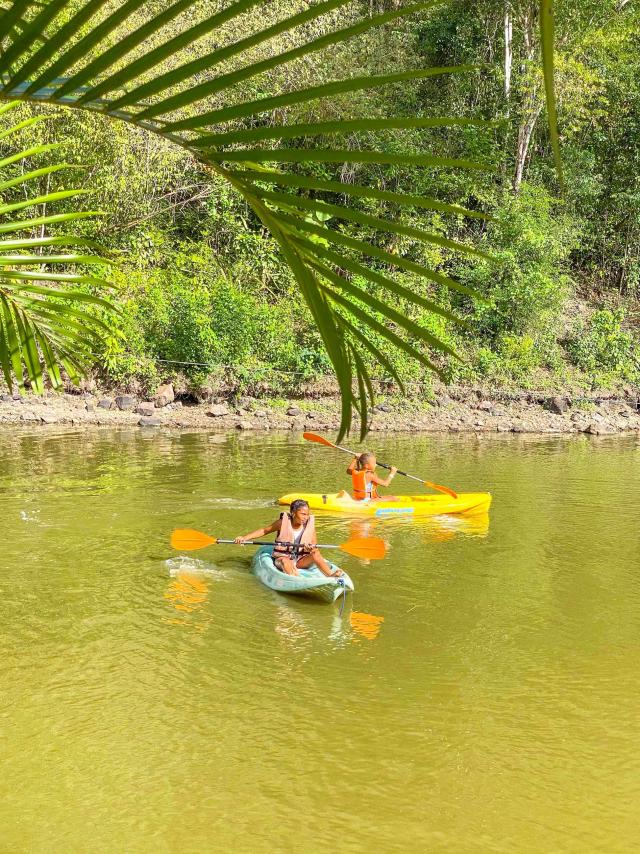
[{"x": 385, "y": 511}]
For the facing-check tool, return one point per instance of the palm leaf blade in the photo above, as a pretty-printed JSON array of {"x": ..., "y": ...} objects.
[
  {"x": 377, "y": 354},
  {"x": 377, "y": 223},
  {"x": 301, "y": 96},
  {"x": 12, "y": 340},
  {"x": 314, "y": 155},
  {"x": 377, "y": 305},
  {"x": 547, "y": 41},
  {"x": 316, "y": 249},
  {"x": 159, "y": 54},
  {"x": 357, "y": 191},
  {"x": 342, "y": 126}
]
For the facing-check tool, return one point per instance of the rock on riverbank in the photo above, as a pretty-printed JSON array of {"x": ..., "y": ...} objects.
[{"x": 454, "y": 411}]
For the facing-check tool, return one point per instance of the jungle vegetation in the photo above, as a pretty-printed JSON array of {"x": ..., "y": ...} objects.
[{"x": 294, "y": 189}]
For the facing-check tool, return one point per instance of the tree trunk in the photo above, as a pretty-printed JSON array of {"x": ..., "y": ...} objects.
[
  {"x": 533, "y": 110},
  {"x": 533, "y": 104},
  {"x": 508, "y": 53}
]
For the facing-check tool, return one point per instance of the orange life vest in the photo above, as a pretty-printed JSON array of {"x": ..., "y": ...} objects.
[
  {"x": 286, "y": 535},
  {"x": 362, "y": 488}
]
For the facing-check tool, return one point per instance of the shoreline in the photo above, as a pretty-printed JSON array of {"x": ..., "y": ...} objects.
[{"x": 453, "y": 411}]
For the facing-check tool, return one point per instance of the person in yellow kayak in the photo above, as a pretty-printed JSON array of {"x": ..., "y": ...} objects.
[
  {"x": 297, "y": 527},
  {"x": 366, "y": 481}
]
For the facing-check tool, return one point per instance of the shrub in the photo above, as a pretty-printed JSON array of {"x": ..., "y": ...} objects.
[
  {"x": 191, "y": 318},
  {"x": 526, "y": 289},
  {"x": 602, "y": 349}
]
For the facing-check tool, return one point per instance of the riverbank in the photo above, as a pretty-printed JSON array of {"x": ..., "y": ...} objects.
[{"x": 455, "y": 410}]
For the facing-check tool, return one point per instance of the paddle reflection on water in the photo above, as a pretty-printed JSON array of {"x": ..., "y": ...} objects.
[
  {"x": 188, "y": 592},
  {"x": 366, "y": 625}
]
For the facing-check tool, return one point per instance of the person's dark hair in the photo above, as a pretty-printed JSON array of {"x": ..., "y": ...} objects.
[{"x": 298, "y": 504}]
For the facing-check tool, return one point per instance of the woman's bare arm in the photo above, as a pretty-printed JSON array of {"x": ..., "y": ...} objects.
[{"x": 260, "y": 532}]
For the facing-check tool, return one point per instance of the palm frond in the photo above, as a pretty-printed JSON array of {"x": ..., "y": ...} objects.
[
  {"x": 217, "y": 94},
  {"x": 547, "y": 40}
]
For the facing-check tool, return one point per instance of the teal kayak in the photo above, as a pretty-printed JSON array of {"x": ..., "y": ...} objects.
[{"x": 310, "y": 581}]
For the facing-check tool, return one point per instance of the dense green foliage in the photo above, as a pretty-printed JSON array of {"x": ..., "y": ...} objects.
[
  {"x": 47, "y": 274},
  {"x": 602, "y": 348},
  {"x": 202, "y": 281}
]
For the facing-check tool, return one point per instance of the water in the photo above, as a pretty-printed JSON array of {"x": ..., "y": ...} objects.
[{"x": 478, "y": 692}]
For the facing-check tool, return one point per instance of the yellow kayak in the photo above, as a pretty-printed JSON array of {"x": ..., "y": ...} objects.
[{"x": 407, "y": 505}]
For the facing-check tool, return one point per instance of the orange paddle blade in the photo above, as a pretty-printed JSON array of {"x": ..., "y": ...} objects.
[
  {"x": 313, "y": 437},
  {"x": 188, "y": 540},
  {"x": 440, "y": 488},
  {"x": 370, "y": 548}
]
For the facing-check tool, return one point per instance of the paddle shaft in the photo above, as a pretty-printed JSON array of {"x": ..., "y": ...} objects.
[
  {"x": 272, "y": 543},
  {"x": 382, "y": 465},
  {"x": 313, "y": 437},
  {"x": 368, "y": 548}
]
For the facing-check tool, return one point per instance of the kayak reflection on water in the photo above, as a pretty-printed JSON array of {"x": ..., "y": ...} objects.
[
  {"x": 441, "y": 529},
  {"x": 433, "y": 529},
  {"x": 298, "y": 632}
]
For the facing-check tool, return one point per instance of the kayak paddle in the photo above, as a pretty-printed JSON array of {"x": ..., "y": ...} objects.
[
  {"x": 313, "y": 437},
  {"x": 186, "y": 539}
]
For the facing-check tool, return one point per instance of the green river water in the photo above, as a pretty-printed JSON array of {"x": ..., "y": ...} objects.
[{"x": 479, "y": 691}]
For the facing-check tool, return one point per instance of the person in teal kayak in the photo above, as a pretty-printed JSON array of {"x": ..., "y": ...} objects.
[
  {"x": 365, "y": 480},
  {"x": 297, "y": 527}
]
